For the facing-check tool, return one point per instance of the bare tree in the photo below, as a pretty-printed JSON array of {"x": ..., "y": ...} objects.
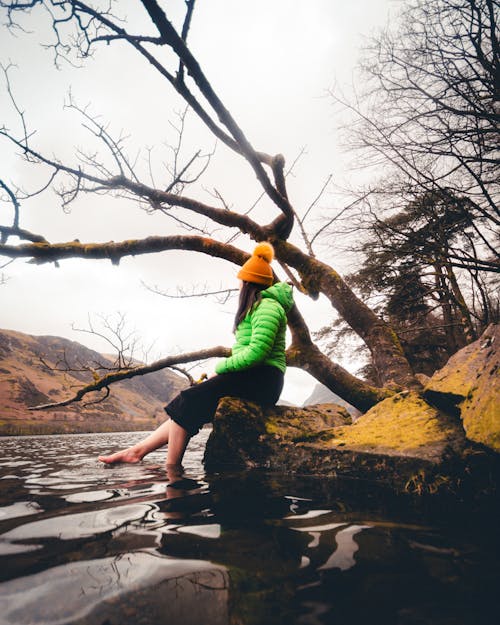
[
  {"x": 90, "y": 174},
  {"x": 428, "y": 117}
]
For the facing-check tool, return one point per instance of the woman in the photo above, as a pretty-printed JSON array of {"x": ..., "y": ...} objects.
[{"x": 254, "y": 371}]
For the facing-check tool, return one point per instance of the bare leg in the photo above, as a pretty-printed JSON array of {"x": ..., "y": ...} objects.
[
  {"x": 136, "y": 453},
  {"x": 177, "y": 443}
]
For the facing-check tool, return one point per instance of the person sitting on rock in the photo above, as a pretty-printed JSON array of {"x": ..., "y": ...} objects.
[{"x": 254, "y": 371}]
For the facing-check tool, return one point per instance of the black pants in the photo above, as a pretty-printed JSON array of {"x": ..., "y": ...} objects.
[{"x": 197, "y": 404}]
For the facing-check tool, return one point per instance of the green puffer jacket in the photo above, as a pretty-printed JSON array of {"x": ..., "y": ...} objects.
[{"x": 260, "y": 337}]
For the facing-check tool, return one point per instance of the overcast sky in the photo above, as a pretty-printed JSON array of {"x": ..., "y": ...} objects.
[{"x": 271, "y": 63}]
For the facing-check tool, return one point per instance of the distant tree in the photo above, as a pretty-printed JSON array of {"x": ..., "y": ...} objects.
[
  {"x": 428, "y": 118},
  {"x": 426, "y": 121},
  {"x": 421, "y": 331},
  {"x": 434, "y": 306},
  {"x": 405, "y": 302}
]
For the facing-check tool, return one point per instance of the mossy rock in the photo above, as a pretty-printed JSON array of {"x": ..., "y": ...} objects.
[
  {"x": 403, "y": 442},
  {"x": 297, "y": 424},
  {"x": 469, "y": 386},
  {"x": 402, "y": 425},
  {"x": 245, "y": 434},
  {"x": 422, "y": 443}
]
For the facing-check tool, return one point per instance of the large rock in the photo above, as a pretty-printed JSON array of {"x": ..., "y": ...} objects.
[
  {"x": 404, "y": 425},
  {"x": 402, "y": 441},
  {"x": 468, "y": 385},
  {"x": 413, "y": 442},
  {"x": 246, "y": 435}
]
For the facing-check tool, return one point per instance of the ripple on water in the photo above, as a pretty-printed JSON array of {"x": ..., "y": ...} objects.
[
  {"x": 19, "y": 509},
  {"x": 90, "y": 496},
  {"x": 212, "y": 530},
  {"x": 179, "y": 590},
  {"x": 79, "y": 525},
  {"x": 18, "y": 463},
  {"x": 132, "y": 548},
  {"x": 117, "y": 493}
]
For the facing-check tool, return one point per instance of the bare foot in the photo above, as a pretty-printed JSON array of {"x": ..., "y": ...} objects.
[{"x": 130, "y": 455}]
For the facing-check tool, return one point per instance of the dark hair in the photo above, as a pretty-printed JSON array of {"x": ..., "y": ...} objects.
[{"x": 250, "y": 295}]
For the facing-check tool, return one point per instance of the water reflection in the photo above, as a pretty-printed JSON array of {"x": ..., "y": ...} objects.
[
  {"x": 124, "y": 588},
  {"x": 332, "y": 538},
  {"x": 84, "y": 543}
]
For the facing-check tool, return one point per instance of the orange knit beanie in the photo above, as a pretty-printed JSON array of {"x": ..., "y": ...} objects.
[{"x": 258, "y": 267}]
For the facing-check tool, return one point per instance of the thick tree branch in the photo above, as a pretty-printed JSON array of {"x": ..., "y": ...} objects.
[
  {"x": 221, "y": 216},
  {"x": 303, "y": 353},
  {"x": 48, "y": 252},
  {"x": 318, "y": 277}
]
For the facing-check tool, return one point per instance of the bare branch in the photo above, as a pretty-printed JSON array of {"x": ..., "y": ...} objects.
[
  {"x": 194, "y": 292},
  {"x": 301, "y": 221},
  {"x": 5, "y": 70},
  {"x": 15, "y": 204},
  {"x": 110, "y": 378}
]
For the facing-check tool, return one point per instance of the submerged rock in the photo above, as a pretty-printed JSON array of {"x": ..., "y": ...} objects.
[{"x": 469, "y": 386}]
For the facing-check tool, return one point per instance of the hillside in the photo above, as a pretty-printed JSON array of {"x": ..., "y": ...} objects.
[
  {"x": 323, "y": 395},
  {"x": 135, "y": 404}
]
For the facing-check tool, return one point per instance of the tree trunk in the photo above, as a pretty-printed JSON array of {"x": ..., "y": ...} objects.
[
  {"x": 468, "y": 328},
  {"x": 353, "y": 390},
  {"x": 303, "y": 353},
  {"x": 388, "y": 357},
  {"x": 455, "y": 335}
]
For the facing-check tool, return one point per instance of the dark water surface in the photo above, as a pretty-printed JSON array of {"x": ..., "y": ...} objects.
[{"x": 82, "y": 543}]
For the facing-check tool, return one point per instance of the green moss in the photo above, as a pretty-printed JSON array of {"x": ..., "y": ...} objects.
[
  {"x": 403, "y": 422},
  {"x": 454, "y": 383},
  {"x": 280, "y": 427},
  {"x": 470, "y": 385},
  {"x": 396, "y": 341},
  {"x": 304, "y": 424},
  {"x": 481, "y": 418},
  {"x": 308, "y": 437}
]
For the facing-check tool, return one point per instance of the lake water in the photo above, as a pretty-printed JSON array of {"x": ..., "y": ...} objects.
[{"x": 82, "y": 543}]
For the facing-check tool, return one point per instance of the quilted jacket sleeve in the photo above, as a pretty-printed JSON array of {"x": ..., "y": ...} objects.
[{"x": 265, "y": 323}]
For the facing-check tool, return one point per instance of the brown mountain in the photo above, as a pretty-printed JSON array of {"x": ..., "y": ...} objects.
[{"x": 135, "y": 404}]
